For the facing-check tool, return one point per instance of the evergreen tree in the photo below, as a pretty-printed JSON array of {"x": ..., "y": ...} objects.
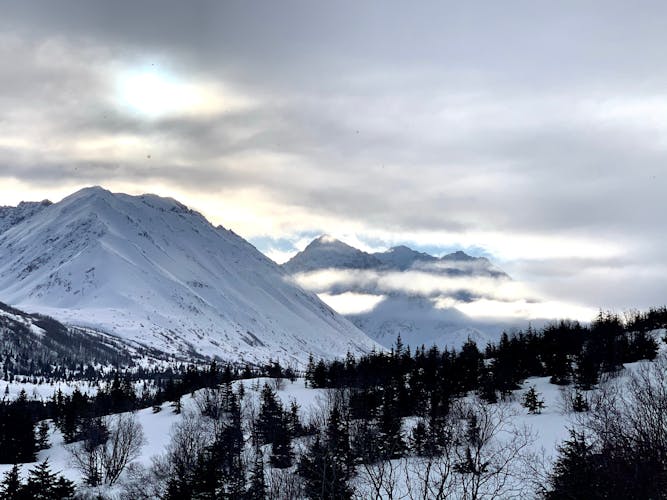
[
  {"x": 327, "y": 466},
  {"x": 419, "y": 439},
  {"x": 487, "y": 387},
  {"x": 281, "y": 448},
  {"x": 294, "y": 422},
  {"x": 43, "y": 484},
  {"x": 338, "y": 439},
  {"x": 587, "y": 372},
  {"x": 319, "y": 378},
  {"x": 43, "y": 436},
  {"x": 574, "y": 472},
  {"x": 17, "y": 431},
  {"x": 391, "y": 437},
  {"x": 324, "y": 477},
  {"x": 177, "y": 406},
  {"x": 257, "y": 488},
  {"x": 469, "y": 364},
  {"x": 10, "y": 488},
  {"x": 579, "y": 403},
  {"x": 532, "y": 401},
  {"x": 270, "y": 419}
]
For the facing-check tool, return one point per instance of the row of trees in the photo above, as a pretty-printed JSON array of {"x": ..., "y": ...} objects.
[
  {"x": 19, "y": 419},
  {"x": 567, "y": 352}
]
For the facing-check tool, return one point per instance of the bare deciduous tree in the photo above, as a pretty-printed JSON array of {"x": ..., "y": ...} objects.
[
  {"x": 126, "y": 438},
  {"x": 108, "y": 448},
  {"x": 283, "y": 484},
  {"x": 632, "y": 413},
  {"x": 490, "y": 459},
  {"x": 379, "y": 480}
]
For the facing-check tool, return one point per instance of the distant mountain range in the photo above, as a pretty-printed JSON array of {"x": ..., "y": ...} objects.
[
  {"x": 332, "y": 267},
  {"x": 156, "y": 274},
  {"x": 326, "y": 252}
]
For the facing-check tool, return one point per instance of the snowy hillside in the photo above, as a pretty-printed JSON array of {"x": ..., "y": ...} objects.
[
  {"x": 40, "y": 345},
  {"x": 152, "y": 271},
  {"x": 419, "y": 322}
]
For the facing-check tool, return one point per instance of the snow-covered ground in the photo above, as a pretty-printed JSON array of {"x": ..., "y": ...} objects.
[
  {"x": 43, "y": 392},
  {"x": 549, "y": 428}
]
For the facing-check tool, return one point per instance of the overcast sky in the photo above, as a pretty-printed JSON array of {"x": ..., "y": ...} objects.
[{"x": 534, "y": 133}]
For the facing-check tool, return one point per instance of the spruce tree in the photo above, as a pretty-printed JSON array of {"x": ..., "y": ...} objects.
[
  {"x": 10, "y": 488},
  {"x": 324, "y": 477},
  {"x": 43, "y": 484},
  {"x": 327, "y": 466},
  {"x": 270, "y": 415},
  {"x": 579, "y": 403},
  {"x": 281, "y": 448},
  {"x": 43, "y": 435},
  {"x": 257, "y": 488},
  {"x": 294, "y": 422},
  {"x": 587, "y": 371},
  {"x": 177, "y": 406},
  {"x": 574, "y": 471},
  {"x": 532, "y": 401},
  {"x": 419, "y": 439},
  {"x": 391, "y": 437}
]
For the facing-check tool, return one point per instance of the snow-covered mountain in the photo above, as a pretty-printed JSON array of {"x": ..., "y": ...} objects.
[
  {"x": 155, "y": 272},
  {"x": 333, "y": 268},
  {"x": 326, "y": 252}
]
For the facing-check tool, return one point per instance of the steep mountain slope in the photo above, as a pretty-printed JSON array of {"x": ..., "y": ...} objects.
[
  {"x": 152, "y": 271},
  {"x": 40, "y": 345},
  {"x": 333, "y": 268},
  {"x": 419, "y": 322}
]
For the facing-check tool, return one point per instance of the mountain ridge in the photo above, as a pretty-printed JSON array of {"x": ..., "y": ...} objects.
[
  {"x": 154, "y": 271},
  {"x": 326, "y": 252}
]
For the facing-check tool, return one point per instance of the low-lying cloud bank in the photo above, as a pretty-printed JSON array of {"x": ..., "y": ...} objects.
[{"x": 352, "y": 291}]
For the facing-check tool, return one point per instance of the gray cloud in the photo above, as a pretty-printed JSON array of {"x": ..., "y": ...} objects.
[{"x": 542, "y": 120}]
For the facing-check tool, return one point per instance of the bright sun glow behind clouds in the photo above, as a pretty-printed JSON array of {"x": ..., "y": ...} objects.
[{"x": 154, "y": 94}]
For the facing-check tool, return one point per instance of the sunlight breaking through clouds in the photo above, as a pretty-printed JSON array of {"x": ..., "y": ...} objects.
[{"x": 155, "y": 94}]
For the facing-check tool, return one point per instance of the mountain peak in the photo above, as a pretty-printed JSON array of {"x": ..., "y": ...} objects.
[
  {"x": 327, "y": 252},
  {"x": 402, "y": 257},
  {"x": 90, "y": 191},
  {"x": 458, "y": 255},
  {"x": 327, "y": 240}
]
